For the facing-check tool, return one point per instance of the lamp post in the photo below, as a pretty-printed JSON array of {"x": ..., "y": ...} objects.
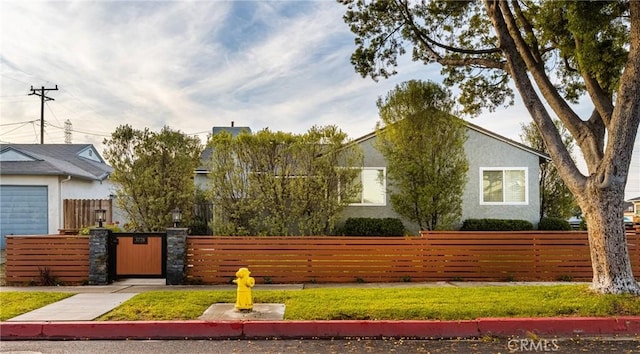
[
  {"x": 176, "y": 216},
  {"x": 101, "y": 216}
]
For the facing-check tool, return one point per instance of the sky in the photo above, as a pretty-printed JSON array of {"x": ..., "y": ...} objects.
[{"x": 193, "y": 65}]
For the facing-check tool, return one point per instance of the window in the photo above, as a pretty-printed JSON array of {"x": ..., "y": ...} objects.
[
  {"x": 373, "y": 187},
  {"x": 504, "y": 186}
]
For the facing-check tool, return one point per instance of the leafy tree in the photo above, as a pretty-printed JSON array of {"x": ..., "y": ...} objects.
[
  {"x": 556, "y": 200},
  {"x": 424, "y": 147},
  {"x": 275, "y": 183},
  {"x": 555, "y": 52},
  {"x": 153, "y": 174}
]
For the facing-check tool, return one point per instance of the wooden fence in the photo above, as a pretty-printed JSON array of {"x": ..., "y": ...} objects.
[
  {"x": 80, "y": 213},
  {"x": 436, "y": 256},
  {"x": 65, "y": 258}
]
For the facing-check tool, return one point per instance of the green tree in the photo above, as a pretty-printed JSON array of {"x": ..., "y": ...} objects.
[
  {"x": 153, "y": 174},
  {"x": 554, "y": 52},
  {"x": 424, "y": 148},
  {"x": 556, "y": 199},
  {"x": 275, "y": 183}
]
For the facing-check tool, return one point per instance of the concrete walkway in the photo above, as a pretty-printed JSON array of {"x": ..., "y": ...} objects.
[{"x": 80, "y": 307}]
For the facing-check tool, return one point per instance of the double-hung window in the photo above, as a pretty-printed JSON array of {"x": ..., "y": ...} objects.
[
  {"x": 373, "y": 187},
  {"x": 504, "y": 185}
]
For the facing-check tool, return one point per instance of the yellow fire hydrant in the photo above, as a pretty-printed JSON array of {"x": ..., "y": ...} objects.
[{"x": 244, "y": 301}]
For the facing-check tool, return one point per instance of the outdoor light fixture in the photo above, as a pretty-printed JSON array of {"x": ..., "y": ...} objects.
[
  {"x": 101, "y": 216},
  {"x": 176, "y": 216}
]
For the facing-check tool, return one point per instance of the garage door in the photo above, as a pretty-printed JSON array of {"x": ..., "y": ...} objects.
[{"x": 23, "y": 211}]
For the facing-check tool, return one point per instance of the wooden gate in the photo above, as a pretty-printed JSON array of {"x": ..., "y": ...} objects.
[{"x": 138, "y": 255}]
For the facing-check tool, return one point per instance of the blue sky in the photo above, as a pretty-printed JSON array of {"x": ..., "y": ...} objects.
[{"x": 192, "y": 65}]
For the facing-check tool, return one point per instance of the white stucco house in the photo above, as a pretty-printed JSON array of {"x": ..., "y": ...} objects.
[
  {"x": 502, "y": 180},
  {"x": 35, "y": 179}
]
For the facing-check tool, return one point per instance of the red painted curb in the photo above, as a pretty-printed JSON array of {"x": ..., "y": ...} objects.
[
  {"x": 20, "y": 330},
  {"x": 121, "y": 330},
  {"x": 502, "y": 327},
  {"x": 560, "y": 326},
  {"x": 372, "y": 329}
]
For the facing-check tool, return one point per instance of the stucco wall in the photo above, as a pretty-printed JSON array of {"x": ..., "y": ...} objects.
[{"x": 482, "y": 151}]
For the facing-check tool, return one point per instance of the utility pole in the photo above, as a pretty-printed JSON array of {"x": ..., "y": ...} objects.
[{"x": 43, "y": 98}]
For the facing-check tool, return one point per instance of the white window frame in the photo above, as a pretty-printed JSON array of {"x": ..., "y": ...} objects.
[
  {"x": 384, "y": 187},
  {"x": 504, "y": 170}
]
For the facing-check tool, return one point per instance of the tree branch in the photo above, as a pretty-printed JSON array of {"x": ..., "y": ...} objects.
[
  {"x": 518, "y": 68},
  {"x": 577, "y": 127},
  {"x": 426, "y": 41},
  {"x": 600, "y": 99},
  {"x": 528, "y": 28}
]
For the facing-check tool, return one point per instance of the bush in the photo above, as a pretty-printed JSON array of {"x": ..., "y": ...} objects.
[
  {"x": 112, "y": 227},
  {"x": 373, "y": 227},
  {"x": 496, "y": 225},
  {"x": 554, "y": 224}
]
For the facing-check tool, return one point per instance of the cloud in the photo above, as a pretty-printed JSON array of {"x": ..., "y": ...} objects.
[{"x": 192, "y": 65}]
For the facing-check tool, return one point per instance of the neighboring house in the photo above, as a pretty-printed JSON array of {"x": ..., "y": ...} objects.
[
  {"x": 502, "y": 181},
  {"x": 35, "y": 179},
  {"x": 201, "y": 179},
  {"x": 634, "y": 211}
]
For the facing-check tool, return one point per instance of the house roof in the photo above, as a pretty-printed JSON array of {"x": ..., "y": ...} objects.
[
  {"x": 206, "y": 153},
  {"x": 483, "y": 131},
  {"x": 636, "y": 199},
  {"x": 76, "y": 160}
]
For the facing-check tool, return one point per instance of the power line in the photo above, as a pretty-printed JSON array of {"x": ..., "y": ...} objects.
[
  {"x": 43, "y": 98},
  {"x": 26, "y": 121},
  {"x": 81, "y": 131}
]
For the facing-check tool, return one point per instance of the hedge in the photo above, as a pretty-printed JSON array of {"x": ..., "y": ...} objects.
[
  {"x": 373, "y": 227},
  {"x": 496, "y": 225}
]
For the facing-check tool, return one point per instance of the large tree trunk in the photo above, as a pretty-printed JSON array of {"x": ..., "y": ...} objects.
[{"x": 603, "y": 212}]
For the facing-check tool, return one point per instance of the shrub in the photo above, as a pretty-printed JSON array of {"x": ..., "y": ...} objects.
[
  {"x": 373, "y": 227},
  {"x": 554, "y": 224},
  {"x": 496, "y": 225},
  {"x": 112, "y": 227}
]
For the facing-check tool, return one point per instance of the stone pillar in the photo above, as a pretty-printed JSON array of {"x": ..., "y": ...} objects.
[
  {"x": 176, "y": 255},
  {"x": 99, "y": 256}
]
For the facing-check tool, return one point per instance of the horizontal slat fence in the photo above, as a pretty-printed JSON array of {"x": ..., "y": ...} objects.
[
  {"x": 435, "y": 256},
  {"x": 66, "y": 258}
]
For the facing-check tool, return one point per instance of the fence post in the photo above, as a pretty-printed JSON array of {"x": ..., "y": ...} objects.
[
  {"x": 99, "y": 256},
  {"x": 176, "y": 255}
]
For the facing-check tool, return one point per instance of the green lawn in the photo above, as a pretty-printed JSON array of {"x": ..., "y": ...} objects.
[
  {"x": 15, "y": 303},
  {"x": 445, "y": 303},
  {"x": 391, "y": 304}
]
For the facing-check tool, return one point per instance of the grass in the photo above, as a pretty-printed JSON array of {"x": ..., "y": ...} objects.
[
  {"x": 390, "y": 304},
  {"x": 14, "y": 303}
]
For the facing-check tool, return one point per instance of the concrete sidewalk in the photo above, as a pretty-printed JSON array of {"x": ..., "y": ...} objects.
[{"x": 79, "y": 307}]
